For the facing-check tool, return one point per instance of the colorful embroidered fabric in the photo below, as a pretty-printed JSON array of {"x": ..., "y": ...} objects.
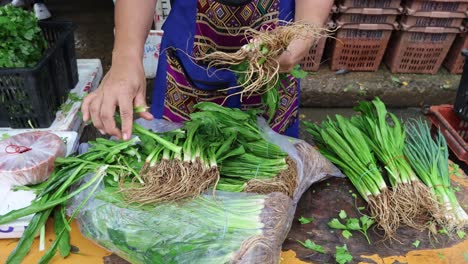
[{"x": 194, "y": 28}]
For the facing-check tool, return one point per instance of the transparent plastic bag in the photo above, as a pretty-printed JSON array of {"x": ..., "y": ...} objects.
[
  {"x": 220, "y": 228},
  {"x": 28, "y": 158}
]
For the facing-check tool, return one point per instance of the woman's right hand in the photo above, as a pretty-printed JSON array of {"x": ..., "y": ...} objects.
[{"x": 123, "y": 87}]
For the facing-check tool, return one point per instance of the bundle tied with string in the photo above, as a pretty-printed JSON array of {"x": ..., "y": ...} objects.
[
  {"x": 256, "y": 63},
  {"x": 28, "y": 158}
]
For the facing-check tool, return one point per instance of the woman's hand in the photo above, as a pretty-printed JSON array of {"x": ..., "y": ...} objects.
[
  {"x": 296, "y": 51},
  {"x": 123, "y": 87}
]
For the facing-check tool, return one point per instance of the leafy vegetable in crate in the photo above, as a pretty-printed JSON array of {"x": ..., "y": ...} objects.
[
  {"x": 22, "y": 42},
  {"x": 28, "y": 158}
]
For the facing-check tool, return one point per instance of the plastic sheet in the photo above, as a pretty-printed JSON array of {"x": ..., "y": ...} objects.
[
  {"x": 221, "y": 228},
  {"x": 28, "y": 158}
]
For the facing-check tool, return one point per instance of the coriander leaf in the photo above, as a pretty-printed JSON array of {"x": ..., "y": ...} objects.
[
  {"x": 353, "y": 224},
  {"x": 335, "y": 224},
  {"x": 346, "y": 234},
  {"x": 343, "y": 214},
  {"x": 440, "y": 255},
  {"x": 416, "y": 243},
  {"x": 396, "y": 80},
  {"x": 305, "y": 220},
  {"x": 297, "y": 72},
  {"x": 312, "y": 246},
  {"x": 366, "y": 222},
  {"x": 443, "y": 231},
  {"x": 461, "y": 234},
  {"x": 342, "y": 255}
]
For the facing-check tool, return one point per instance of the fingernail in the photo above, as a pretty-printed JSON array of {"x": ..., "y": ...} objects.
[
  {"x": 125, "y": 136},
  {"x": 102, "y": 132}
]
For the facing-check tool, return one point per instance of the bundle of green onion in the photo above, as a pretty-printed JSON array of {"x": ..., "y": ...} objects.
[
  {"x": 429, "y": 158},
  {"x": 346, "y": 146},
  {"x": 386, "y": 137},
  {"x": 219, "y": 147}
]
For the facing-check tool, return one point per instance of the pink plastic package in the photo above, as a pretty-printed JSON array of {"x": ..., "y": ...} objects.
[{"x": 28, "y": 158}]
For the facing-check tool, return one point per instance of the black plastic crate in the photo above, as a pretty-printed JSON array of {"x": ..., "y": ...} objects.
[
  {"x": 461, "y": 101},
  {"x": 31, "y": 96}
]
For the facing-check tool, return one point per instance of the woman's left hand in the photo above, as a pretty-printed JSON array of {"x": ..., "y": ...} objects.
[{"x": 297, "y": 50}]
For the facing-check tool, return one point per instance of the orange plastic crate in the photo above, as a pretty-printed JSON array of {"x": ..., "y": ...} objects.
[
  {"x": 455, "y": 60},
  {"x": 360, "y": 47},
  {"x": 452, "y": 127},
  {"x": 419, "y": 49}
]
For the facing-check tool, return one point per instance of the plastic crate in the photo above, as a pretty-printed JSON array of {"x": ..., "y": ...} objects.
[
  {"x": 360, "y": 47},
  {"x": 312, "y": 61},
  {"x": 359, "y": 15},
  {"x": 452, "y": 127},
  {"x": 461, "y": 100},
  {"x": 419, "y": 49},
  {"x": 426, "y": 21},
  {"x": 455, "y": 60},
  {"x": 371, "y": 3},
  {"x": 459, "y": 6},
  {"x": 31, "y": 96}
]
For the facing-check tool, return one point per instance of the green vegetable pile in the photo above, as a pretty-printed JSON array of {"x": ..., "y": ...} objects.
[
  {"x": 22, "y": 42},
  {"x": 375, "y": 148},
  {"x": 219, "y": 148}
]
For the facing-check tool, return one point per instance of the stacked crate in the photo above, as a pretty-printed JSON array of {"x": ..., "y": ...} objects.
[
  {"x": 311, "y": 62},
  {"x": 364, "y": 30},
  {"x": 455, "y": 60},
  {"x": 428, "y": 30}
]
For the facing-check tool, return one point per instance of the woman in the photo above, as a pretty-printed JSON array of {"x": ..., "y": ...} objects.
[{"x": 193, "y": 28}]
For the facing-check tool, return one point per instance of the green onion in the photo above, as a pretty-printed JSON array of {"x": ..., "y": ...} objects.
[
  {"x": 429, "y": 158},
  {"x": 346, "y": 146}
]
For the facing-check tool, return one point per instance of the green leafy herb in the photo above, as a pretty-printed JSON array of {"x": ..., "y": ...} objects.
[
  {"x": 346, "y": 234},
  {"x": 461, "y": 234},
  {"x": 465, "y": 255},
  {"x": 396, "y": 80},
  {"x": 22, "y": 42},
  {"x": 361, "y": 208},
  {"x": 335, "y": 224},
  {"x": 443, "y": 231},
  {"x": 342, "y": 255},
  {"x": 297, "y": 72},
  {"x": 343, "y": 214},
  {"x": 353, "y": 224},
  {"x": 4, "y": 136},
  {"x": 305, "y": 220},
  {"x": 416, "y": 243},
  {"x": 312, "y": 246},
  {"x": 440, "y": 255}
]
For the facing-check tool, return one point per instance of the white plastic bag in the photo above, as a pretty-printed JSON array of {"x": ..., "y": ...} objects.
[{"x": 207, "y": 229}]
